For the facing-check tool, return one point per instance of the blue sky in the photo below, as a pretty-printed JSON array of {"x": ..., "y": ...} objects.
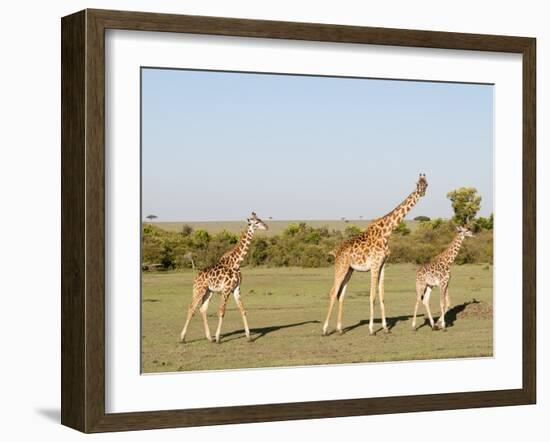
[{"x": 217, "y": 145}]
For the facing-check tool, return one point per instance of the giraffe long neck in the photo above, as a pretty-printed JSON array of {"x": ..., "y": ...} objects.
[
  {"x": 451, "y": 252},
  {"x": 390, "y": 221},
  {"x": 237, "y": 254}
]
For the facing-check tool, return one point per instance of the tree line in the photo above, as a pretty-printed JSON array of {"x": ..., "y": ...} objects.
[{"x": 302, "y": 245}]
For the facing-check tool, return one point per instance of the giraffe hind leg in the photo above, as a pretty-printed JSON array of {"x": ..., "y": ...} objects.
[
  {"x": 199, "y": 291},
  {"x": 221, "y": 313},
  {"x": 204, "y": 310},
  {"x": 426, "y": 302},
  {"x": 341, "y": 295},
  {"x": 374, "y": 283},
  {"x": 340, "y": 273},
  {"x": 420, "y": 291}
]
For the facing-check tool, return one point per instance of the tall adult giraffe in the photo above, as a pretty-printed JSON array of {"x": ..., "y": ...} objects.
[
  {"x": 369, "y": 251},
  {"x": 225, "y": 278}
]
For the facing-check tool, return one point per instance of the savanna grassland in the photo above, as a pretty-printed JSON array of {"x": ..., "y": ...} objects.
[{"x": 286, "y": 307}]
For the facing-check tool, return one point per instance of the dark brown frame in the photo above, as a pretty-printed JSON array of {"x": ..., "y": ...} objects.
[{"x": 83, "y": 216}]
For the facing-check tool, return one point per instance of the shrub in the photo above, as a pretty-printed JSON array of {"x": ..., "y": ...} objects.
[
  {"x": 351, "y": 231},
  {"x": 402, "y": 229},
  {"x": 186, "y": 230},
  {"x": 305, "y": 246}
]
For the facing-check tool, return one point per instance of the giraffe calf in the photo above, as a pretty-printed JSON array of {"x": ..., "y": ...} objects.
[{"x": 438, "y": 273}]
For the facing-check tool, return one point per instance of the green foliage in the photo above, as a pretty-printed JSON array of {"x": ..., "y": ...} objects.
[
  {"x": 186, "y": 230},
  {"x": 200, "y": 238},
  {"x": 482, "y": 223},
  {"x": 434, "y": 224},
  {"x": 466, "y": 203},
  {"x": 422, "y": 218},
  {"x": 402, "y": 229},
  {"x": 168, "y": 259},
  {"x": 294, "y": 229},
  {"x": 351, "y": 231},
  {"x": 302, "y": 245}
]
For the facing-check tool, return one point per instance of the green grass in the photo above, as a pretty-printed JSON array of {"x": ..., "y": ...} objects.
[
  {"x": 276, "y": 227},
  {"x": 286, "y": 308}
]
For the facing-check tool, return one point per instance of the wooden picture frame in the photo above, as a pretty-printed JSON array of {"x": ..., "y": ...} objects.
[{"x": 83, "y": 220}]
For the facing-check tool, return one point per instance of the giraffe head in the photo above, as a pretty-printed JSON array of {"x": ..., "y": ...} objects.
[
  {"x": 256, "y": 223},
  {"x": 422, "y": 184},
  {"x": 465, "y": 231}
]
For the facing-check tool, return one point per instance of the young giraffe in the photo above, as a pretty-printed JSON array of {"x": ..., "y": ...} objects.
[
  {"x": 225, "y": 278},
  {"x": 369, "y": 251},
  {"x": 438, "y": 273}
]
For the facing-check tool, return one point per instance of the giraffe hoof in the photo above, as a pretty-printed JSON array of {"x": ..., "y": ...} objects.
[
  {"x": 387, "y": 331},
  {"x": 340, "y": 331},
  {"x": 371, "y": 333}
]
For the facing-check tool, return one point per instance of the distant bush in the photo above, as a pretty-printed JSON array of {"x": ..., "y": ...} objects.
[
  {"x": 351, "y": 231},
  {"x": 305, "y": 246},
  {"x": 402, "y": 229},
  {"x": 483, "y": 223},
  {"x": 186, "y": 230}
]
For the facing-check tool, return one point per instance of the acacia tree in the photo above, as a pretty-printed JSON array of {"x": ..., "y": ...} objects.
[
  {"x": 466, "y": 203},
  {"x": 151, "y": 217}
]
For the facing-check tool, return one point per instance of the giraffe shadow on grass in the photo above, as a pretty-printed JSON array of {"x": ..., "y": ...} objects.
[
  {"x": 260, "y": 332},
  {"x": 391, "y": 322},
  {"x": 451, "y": 315}
]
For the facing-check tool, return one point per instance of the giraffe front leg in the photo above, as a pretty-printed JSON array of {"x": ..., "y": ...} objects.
[
  {"x": 190, "y": 312},
  {"x": 381, "y": 296},
  {"x": 238, "y": 300},
  {"x": 373, "y": 285},
  {"x": 221, "y": 313},
  {"x": 447, "y": 301}
]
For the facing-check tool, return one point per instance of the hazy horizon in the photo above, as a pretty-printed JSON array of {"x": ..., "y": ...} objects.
[{"x": 218, "y": 145}]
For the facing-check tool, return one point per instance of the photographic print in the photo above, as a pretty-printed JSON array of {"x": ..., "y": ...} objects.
[{"x": 297, "y": 220}]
